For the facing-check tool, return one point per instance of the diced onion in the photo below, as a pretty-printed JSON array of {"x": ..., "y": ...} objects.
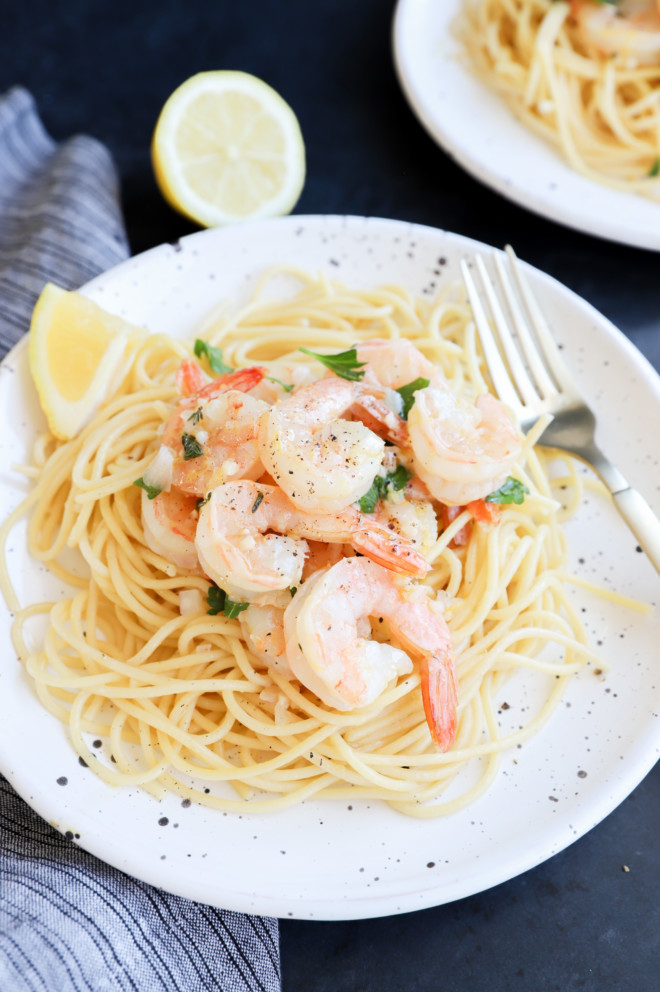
[
  {"x": 190, "y": 602},
  {"x": 393, "y": 401}
]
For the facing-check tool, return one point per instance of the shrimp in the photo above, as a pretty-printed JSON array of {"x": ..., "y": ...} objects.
[
  {"x": 212, "y": 434},
  {"x": 397, "y": 362},
  {"x": 391, "y": 364},
  {"x": 631, "y": 29},
  {"x": 169, "y": 522},
  {"x": 282, "y": 377},
  {"x": 235, "y": 549},
  {"x": 330, "y": 651},
  {"x": 321, "y": 461},
  {"x": 263, "y": 629},
  {"x": 238, "y": 551},
  {"x": 414, "y": 520},
  {"x": 461, "y": 451}
]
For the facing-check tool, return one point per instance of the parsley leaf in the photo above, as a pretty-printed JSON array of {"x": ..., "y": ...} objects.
[
  {"x": 202, "y": 501},
  {"x": 191, "y": 447},
  {"x": 257, "y": 502},
  {"x": 196, "y": 416},
  {"x": 219, "y": 602},
  {"x": 407, "y": 393},
  {"x": 367, "y": 503},
  {"x": 232, "y": 609},
  {"x": 398, "y": 478},
  {"x": 213, "y": 356},
  {"x": 655, "y": 168},
  {"x": 343, "y": 364},
  {"x": 215, "y": 600},
  {"x": 151, "y": 491},
  {"x": 512, "y": 491},
  {"x": 393, "y": 480}
]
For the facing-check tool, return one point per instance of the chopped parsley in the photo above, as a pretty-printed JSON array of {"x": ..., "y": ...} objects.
[
  {"x": 191, "y": 447},
  {"x": 232, "y": 609},
  {"x": 215, "y": 600},
  {"x": 202, "y": 501},
  {"x": 219, "y": 602},
  {"x": 212, "y": 355},
  {"x": 343, "y": 364},
  {"x": 293, "y": 590},
  {"x": 407, "y": 394},
  {"x": 655, "y": 167},
  {"x": 196, "y": 416},
  {"x": 257, "y": 502},
  {"x": 393, "y": 480},
  {"x": 151, "y": 491},
  {"x": 512, "y": 491}
]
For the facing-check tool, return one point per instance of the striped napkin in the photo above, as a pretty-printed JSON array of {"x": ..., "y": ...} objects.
[{"x": 67, "y": 921}]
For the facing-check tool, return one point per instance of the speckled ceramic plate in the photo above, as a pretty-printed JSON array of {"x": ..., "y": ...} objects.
[
  {"x": 473, "y": 125},
  {"x": 354, "y": 860}
]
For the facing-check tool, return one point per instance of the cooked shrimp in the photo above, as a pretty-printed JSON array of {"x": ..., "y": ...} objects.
[
  {"x": 631, "y": 29},
  {"x": 239, "y": 551},
  {"x": 330, "y": 651},
  {"x": 322, "y": 461},
  {"x": 414, "y": 520},
  {"x": 390, "y": 364},
  {"x": 212, "y": 434},
  {"x": 461, "y": 451},
  {"x": 263, "y": 628},
  {"x": 234, "y": 547},
  {"x": 170, "y": 522},
  {"x": 397, "y": 362},
  {"x": 282, "y": 377}
]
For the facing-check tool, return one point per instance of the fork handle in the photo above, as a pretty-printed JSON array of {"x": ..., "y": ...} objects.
[
  {"x": 642, "y": 521},
  {"x": 631, "y": 504}
]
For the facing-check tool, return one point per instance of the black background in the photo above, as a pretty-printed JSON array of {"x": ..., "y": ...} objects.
[{"x": 578, "y": 922}]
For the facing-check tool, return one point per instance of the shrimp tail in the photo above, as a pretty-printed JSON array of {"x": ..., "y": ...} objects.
[
  {"x": 389, "y": 550},
  {"x": 440, "y": 698},
  {"x": 191, "y": 381},
  {"x": 242, "y": 379},
  {"x": 189, "y": 378}
]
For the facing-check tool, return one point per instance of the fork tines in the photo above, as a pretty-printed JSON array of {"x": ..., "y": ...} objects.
[{"x": 522, "y": 357}]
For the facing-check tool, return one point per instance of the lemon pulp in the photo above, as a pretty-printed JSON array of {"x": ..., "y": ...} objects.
[{"x": 226, "y": 148}]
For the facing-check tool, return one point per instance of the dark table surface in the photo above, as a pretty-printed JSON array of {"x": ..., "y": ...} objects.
[{"x": 579, "y": 921}]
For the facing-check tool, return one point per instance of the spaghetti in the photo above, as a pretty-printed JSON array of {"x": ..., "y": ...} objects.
[
  {"x": 181, "y": 701},
  {"x": 584, "y": 76}
]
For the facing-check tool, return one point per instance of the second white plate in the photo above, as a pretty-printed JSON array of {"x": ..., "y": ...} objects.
[{"x": 475, "y": 126}]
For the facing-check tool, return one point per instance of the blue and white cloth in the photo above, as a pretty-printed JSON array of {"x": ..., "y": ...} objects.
[{"x": 68, "y": 922}]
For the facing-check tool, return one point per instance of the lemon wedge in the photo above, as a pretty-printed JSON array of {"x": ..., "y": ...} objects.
[
  {"x": 228, "y": 148},
  {"x": 76, "y": 351}
]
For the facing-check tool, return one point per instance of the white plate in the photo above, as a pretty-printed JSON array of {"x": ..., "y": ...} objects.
[
  {"x": 354, "y": 860},
  {"x": 474, "y": 125}
]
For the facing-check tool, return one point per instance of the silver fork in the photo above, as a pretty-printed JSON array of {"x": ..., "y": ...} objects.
[{"x": 530, "y": 377}]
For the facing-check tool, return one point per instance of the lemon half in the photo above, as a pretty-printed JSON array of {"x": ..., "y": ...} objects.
[
  {"x": 76, "y": 351},
  {"x": 228, "y": 148}
]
